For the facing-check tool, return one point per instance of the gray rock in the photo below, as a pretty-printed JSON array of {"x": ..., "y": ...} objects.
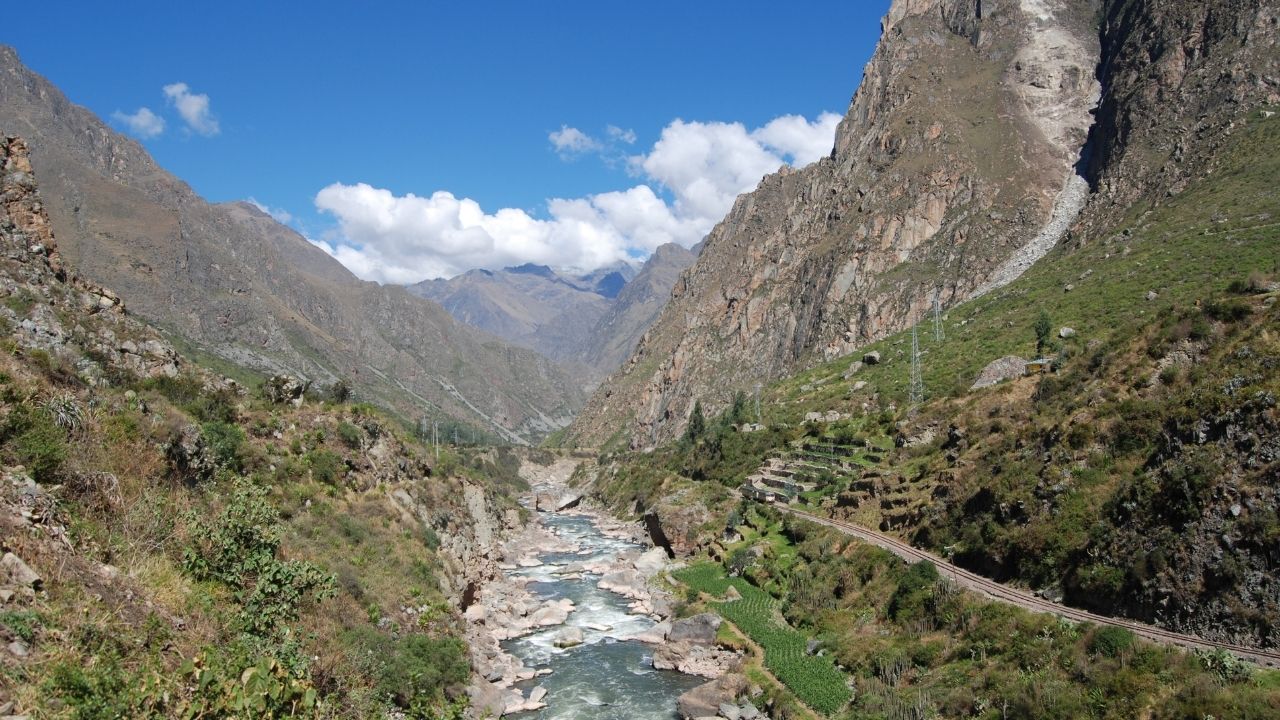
[
  {"x": 698, "y": 630},
  {"x": 999, "y": 370},
  {"x": 748, "y": 711},
  {"x": 729, "y": 711},
  {"x": 19, "y": 573},
  {"x": 1066, "y": 332},
  {"x": 568, "y": 637},
  {"x": 19, "y": 649},
  {"x": 871, "y": 358},
  {"x": 705, "y": 700}
]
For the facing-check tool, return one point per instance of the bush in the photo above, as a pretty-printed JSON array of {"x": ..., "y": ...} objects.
[
  {"x": 225, "y": 442},
  {"x": 350, "y": 434},
  {"x": 411, "y": 670},
  {"x": 36, "y": 441},
  {"x": 909, "y": 600},
  {"x": 1111, "y": 641},
  {"x": 238, "y": 550},
  {"x": 325, "y": 465}
]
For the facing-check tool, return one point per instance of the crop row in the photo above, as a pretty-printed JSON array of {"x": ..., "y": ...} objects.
[{"x": 813, "y": 679}]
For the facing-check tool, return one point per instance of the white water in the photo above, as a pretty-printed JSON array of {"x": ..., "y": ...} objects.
[{"x": 608, "y": 676}]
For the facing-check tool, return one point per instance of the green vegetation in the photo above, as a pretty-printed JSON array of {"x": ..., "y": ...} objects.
[
  {"x": 813, "y": 679},
  {"x": 268, "y": 571},
  {"x": 913, "y": 645}
]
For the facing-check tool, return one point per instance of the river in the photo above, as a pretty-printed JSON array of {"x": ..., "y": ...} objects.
[{"x": 605, "y": 678}]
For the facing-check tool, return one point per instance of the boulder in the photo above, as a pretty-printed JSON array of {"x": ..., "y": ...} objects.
[
  {"x": 704, "y": 700},
  {"x": 698, "y": 630},
  {"x": 871, "y": 358},
  {"x": 999, "y": 370},
  {"x": 19, "y": 573},
  {"x": 282, "y": 389},
  {"x": 568, "y": 637},
  {"x": 572, "y": 500},
  {"x": 1066, "y": 332}
]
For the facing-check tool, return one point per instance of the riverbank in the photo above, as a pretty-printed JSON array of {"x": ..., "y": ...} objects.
[{"x": 578, "y": 615}]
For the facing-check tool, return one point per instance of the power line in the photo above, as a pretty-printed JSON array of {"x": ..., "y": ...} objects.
[
  {"x": 939, "y": 332},
  {"x": 917, "y": 381}
]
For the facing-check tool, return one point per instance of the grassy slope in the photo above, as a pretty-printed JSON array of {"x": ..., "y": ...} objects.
[
  {"x": 132, "y": 622},
  {"x": 1001, "y": 662}
]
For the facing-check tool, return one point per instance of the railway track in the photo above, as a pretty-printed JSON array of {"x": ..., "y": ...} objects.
[{"x": 1028, "y": 601}]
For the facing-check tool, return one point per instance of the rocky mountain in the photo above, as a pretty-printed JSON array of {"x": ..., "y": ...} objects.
[
  {"x": 588, "y": 323},
  {"x": 617, "y": 332},
  {"x": 966, "y": 155},
  {"x": 530, "y": 305},
  {"x": 229, "y": 281}
]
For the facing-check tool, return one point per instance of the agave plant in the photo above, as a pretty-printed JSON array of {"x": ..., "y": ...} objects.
[{"x": 65, "y": 409}]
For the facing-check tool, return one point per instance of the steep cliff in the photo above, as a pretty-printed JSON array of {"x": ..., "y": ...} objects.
[
  {"x": 232, "y": 282},
  {"x": 953, "y": 169}
]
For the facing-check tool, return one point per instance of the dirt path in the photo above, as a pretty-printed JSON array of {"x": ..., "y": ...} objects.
[{"x": 1028, "y": 601}]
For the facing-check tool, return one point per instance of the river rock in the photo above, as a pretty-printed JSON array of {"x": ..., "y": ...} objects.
[
  {"x": 655, "y": 635},
  {"x": 568, "y": 637},
  {"x": 697, "y": 630},
  {"x": 705, "y": 700},
  {"x": 729, "y": 711},
  {"x": 704, "y": 660},
  {"x": 651, "y": 562}
]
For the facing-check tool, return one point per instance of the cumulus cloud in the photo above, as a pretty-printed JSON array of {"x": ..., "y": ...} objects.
[
  {"x": 193, "y": 107},
  {"x": 569, "y": 141},
  {"x": 143, "y": 123},
  {"x": 691, "y": 177}
]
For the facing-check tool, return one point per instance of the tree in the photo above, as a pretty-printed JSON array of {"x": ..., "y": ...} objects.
[
  {"x": 1043, "y": 327},
  {"x": 697, "y": 426}
]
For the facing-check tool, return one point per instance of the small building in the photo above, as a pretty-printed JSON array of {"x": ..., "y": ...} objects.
[
  {"x": 764, "y": 495},
  {"x": 1038, "y": 366}
]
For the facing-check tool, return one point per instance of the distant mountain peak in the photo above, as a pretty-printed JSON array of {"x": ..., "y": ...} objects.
[{"x": 533, "y": 269}]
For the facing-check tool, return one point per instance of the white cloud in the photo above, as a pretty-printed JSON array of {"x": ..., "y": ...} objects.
[
  {"x": 570, "y": 141},
  {"x": 801, "y": 140},
  {"x": 143, "y": 123},
  {"x": 627, "y": 136},
  {"x": 193, "y": 107},
  {"x": 280, "y": 215},
  {"x": 703, "y": 167}
]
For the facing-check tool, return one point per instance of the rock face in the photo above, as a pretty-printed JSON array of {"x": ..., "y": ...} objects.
[
  {"x": 950, "y": 161},
  {"x": 235, "y": 283},
  {"x": 49, "y": 307}
]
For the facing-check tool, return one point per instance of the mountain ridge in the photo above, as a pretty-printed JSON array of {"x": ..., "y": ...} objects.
[{"x": 233, "y": 282}]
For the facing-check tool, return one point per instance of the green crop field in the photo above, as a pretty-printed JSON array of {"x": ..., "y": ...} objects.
[{"x": 813, "y": 679}]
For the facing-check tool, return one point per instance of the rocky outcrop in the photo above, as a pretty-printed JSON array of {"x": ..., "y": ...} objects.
[
  {"x": 705, "y": 700},
  {"x": 51, "y": 308},
  {"x": 966, "y": 128},
  {"x": 232, "y": 281}
]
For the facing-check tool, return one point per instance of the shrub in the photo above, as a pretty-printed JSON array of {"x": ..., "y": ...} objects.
[
  {"x": 325, "y": 465},
  {"x": 913, "y": 592},
  {"x": 225, "y": 441},
  {"x": 350, "y": 434},
  {"x": 238, "y": 550},
  {"x": 1227, "y": 310},
  {"x": 1111, "y": 641},
  {"x": 36, "y": 441}
]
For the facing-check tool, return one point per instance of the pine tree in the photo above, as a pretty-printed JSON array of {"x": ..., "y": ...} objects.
[
  {"x": 697, "y": 423},
  {"x": 1043, "y": 327}
]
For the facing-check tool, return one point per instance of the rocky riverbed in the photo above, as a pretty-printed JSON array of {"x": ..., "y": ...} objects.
[{"x": 578, "y": 620}]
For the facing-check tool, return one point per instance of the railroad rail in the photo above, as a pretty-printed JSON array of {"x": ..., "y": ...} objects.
[{"x": 1028, "y": 601}]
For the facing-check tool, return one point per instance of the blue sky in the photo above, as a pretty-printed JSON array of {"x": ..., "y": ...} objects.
[{"x": 374, "y": 109}]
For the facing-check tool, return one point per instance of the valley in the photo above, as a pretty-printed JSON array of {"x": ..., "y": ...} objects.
[{"x": 960, "y": 404}]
